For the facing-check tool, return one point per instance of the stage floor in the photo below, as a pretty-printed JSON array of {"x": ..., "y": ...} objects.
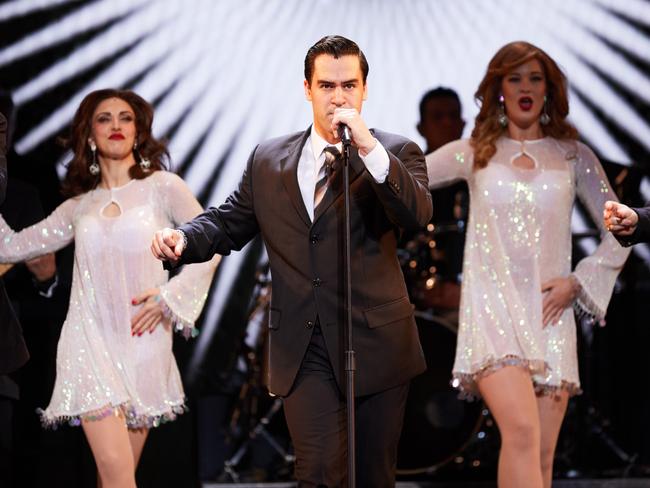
[{"x": 601, "y": 483}]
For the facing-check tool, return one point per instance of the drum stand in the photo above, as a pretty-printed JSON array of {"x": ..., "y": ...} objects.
[
  {"x": 593, "y": 425},
  {"x": 254, "y": 391},
  {"x": 259, "y": 430}
]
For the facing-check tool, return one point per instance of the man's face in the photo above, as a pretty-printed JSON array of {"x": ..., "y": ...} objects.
[
  {"x": 336, "y": 83},
  {"x": 441, "y": 122}
]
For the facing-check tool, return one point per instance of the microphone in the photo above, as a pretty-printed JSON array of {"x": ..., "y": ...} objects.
[{"x": 344, "y": 134}]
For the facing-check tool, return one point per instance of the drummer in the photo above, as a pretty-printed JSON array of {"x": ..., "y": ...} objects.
[{"x": 441, "y": 122}]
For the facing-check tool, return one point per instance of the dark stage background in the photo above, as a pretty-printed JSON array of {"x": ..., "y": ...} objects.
[{"x": 225, "y": 75}]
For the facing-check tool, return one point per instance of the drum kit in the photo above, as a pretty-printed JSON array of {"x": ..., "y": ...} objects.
[{"x": 440, "y": 430}]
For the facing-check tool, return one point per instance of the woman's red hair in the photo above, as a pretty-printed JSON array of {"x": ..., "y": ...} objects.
[{"x": 487, "y": 128}]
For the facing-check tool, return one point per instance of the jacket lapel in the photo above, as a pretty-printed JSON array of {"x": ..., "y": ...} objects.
[{"x": 289, "y": 165}]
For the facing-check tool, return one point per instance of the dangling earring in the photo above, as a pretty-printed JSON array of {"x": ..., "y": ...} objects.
[
  {"x": 502, "y": 117},
  {"x": 93, "y": 168},
  {"x": 144, "y": 163},
  {"x": 544, "y": 119}
]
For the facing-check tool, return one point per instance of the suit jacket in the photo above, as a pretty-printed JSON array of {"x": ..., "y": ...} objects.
[
  {"x": 13, "y": 351},
  {"x": 306, "y": 258},
  {"x": 642, "y": 231}
]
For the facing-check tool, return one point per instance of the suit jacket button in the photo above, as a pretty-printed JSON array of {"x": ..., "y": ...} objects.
[
  {"x": 316, "y": 282},
  {"x": 314, "y": 238},
  {"x": 309, "y": 324}
]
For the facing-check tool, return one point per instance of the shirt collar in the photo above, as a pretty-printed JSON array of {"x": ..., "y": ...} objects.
[{"x": 318, "y": 144}]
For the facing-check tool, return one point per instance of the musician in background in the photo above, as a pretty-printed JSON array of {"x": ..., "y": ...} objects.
[{"x": 440, "y": 122}]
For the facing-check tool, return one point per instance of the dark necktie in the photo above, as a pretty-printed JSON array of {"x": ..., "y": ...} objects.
[{"x": 326, "y": 173}]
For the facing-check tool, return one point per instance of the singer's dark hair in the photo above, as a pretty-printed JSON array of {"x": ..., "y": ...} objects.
[
  {"x": 78, "y": 179},
  {"x": 436, "y": 94},
  {"x": 336, "y": 46}
]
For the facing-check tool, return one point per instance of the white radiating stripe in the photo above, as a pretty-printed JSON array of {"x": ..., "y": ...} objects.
[
  {"x": 116, "y": 75},
  {"x": 596, "y": 133},
  {"x": 585, "y": 23},
  {"x": 644, "y": 187},
  {"x": 244, "y": 113},
  {"x": 86, "y": 18},
  {"x": 611, "y": 27},
  {"x": 244, "y": 93},
  {"x": 204, "y": 93},
  {"x": 18, "y": 8},
  {"x": 186, "y": 71},
  {"x": 106, "y": 44},
  {"x": 639, "y": 10}
]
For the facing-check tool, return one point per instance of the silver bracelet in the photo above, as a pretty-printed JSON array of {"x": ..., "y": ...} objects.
[{"x": 184, "y": 237}]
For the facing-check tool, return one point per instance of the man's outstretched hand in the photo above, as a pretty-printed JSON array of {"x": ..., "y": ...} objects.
[
  {"x": 619, "y": 219},
  {"x": 168, "y": 244}
]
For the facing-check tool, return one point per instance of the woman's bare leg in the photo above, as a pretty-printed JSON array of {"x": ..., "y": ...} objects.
[
  {"x": 510, "y": 396},
  {"x": 551, "y": 414},
  {"x": 137, "y": 438},
  {"x": 111, "y": 448}
]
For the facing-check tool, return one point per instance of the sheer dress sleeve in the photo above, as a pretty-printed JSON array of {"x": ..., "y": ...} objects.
[
  {"x": 596, "y": 273},
  {"x": 48, "y": 235},
  {"x": 184, "y": 295},
  {"x": 450, "y": 163}
]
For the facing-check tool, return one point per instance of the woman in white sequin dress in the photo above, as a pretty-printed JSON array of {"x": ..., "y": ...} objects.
[
  {"x": 116, "y": 374},
  {"x": 517, "y": 334}
]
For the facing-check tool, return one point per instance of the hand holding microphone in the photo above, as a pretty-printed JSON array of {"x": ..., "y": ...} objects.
[{"x": 348, "y": 124}]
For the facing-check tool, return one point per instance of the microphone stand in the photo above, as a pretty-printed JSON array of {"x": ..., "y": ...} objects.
[{"x": 350, "y": 366}]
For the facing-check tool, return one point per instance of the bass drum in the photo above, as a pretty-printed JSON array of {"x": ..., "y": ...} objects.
[{"x": 437, "y": 425}]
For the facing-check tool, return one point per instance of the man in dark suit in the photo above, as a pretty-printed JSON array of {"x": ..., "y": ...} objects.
[
  {"x": 291, "y": 193},
  {"x": 629, "y": 225},
  {"x": 13, "y": 352}
]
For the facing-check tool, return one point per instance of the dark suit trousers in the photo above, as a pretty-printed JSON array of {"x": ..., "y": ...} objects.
[{"x": 316, "y": 416}]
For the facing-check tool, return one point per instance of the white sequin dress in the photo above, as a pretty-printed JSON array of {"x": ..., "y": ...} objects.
[
  {"x": 101, "y": 367},
  {"x": 518, "y": 237}
]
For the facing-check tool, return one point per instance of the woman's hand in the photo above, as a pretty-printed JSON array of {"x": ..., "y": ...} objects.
[
  {"x": 560, "y": 293},
  {"x": 151, "y": 313}
]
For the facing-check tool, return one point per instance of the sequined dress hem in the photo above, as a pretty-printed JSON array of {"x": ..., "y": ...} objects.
[
  {"x": 133, "y": 419},
  {"x": 465, "y": 383}
]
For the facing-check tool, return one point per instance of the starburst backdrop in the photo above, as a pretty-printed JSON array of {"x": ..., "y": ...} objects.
[{"x": 224, "y": 75}]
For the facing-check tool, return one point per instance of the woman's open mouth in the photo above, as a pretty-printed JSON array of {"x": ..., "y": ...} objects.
[{"x": 525, "y": 103}]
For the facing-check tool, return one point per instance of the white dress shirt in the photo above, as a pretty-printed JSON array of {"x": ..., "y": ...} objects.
[{"x": 312, "y": 159}]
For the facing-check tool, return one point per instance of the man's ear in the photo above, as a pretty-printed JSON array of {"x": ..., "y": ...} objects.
[
  {"x": 307, "y": 90},
  {"x": 419, "y": 128}
]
